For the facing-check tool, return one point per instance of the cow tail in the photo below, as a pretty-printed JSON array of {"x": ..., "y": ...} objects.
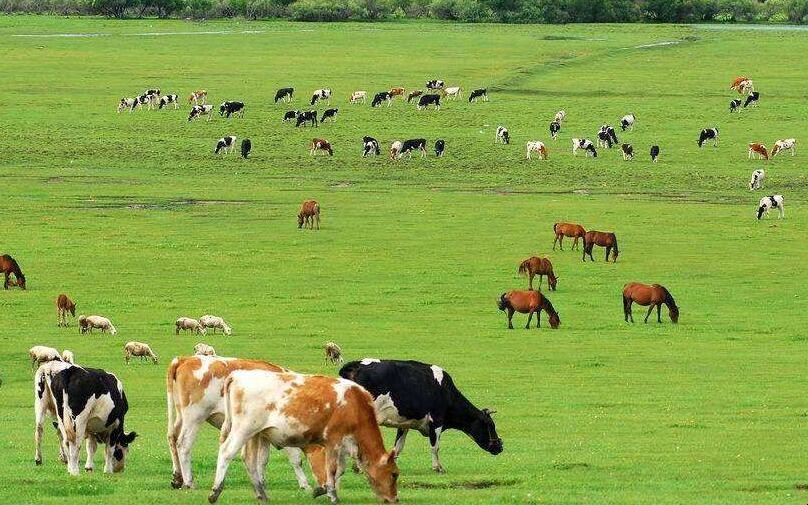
[
  {"x": 171, "y": 380},
  {"x": 228, "y": 415}
]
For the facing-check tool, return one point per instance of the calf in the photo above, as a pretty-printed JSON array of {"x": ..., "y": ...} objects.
[
  {"x": 167, "y": 99},
  {"x": 198, "y": 111},
  {"x": 560, "y": 116},
  {"x": 198, "y": 97},
  {"x": 226, "y": 144},
  {"x": 555, "y": 127},
  {"x": 306, "y": 117},
  {"x": 321, "y": 94},
  {"x": 229, "y": 108},
  {"x": 370, "y": 146},
  {"x": 87, "y": 323},
  {"x": 770, "y": 202},
  {"x": 752, "y": 99},
  {"x": 246, "y": 147},
  {"x": 395, "y": 149},
  {"x": 757, "y": 180},
  {"x": 654, "y": 153},
  {"x": 434, "y": 84},
  {"x": 785, "y": 145},
  {"x": 64, "y": 305},
  {"x": 329, "y": 114},
  {"x": 440, "y": 146},
  {"x": 757, "y": 151},
  {"x": 290, "y": 115},
  {"x": 413, "y": 395},
  {"x": 586, "y": 145},
  {"x": 478, "y": 93},
  {"x": 413, "y": 144},
  {"x": 359, "y": 96},
  {"x": 537, "y": 146},
  {"x": 138, "y": 349},
  {"x": 126, "y": 103},
  {"x": 453, "y": 92},
  {"x": 708, "y": 134},
  {"x": 734, "y": 105},
  {"x": 381, "y": 97},
  {"x": 628, "y": 152},
  {"x": 320, "y": 145},
  {"x": 285, "y": 94},
  {"x": 502, "y": 135},
  {"x": 309, "y": 214},
  {"x": 627, "y": 122},
  {"x": 413, "y": 94},
  {"x": 426, "y": 100}
]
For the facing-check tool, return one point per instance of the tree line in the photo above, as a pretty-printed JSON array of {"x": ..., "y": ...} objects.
[{"x": 470, "y": 11}]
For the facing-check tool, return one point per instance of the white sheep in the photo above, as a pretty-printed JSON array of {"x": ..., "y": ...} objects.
[
  {"x": 202, "y": 349},
  {"x": 42, "y": 354},
  {"x": 189, "y": 324},
  {"x": 138, "y": 349},
  {"x": 333, "y": 353},
  {"x": 67, "y": 356},
  {"x": 215, "y": 322},
  {"x": 87, "y": 323}
]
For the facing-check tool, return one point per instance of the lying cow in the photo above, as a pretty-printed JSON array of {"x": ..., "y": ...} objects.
[
  {"x": 320, "y": 145},
  {"x": 285, "y": 94},
  {"x": 770, "y": 202},
  {"x": 226, "y": 144},
  {"x": 477, "y": 94},
  {"x": 370, "y": 146},
  {"x": 228, "y": 109},
  {"x": 321, "y": 94},
  {"x": 426, "y": 100},
  {"x": 708, "y": 134},
  {"x": 198, "y": 111}
]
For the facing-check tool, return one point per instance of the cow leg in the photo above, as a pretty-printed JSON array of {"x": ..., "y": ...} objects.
[
  {"x": 538, "y": 318},
  {"x": 39, "y": 428},
  {"x": 332, "y": 464},
  {"x": 73, "y": 440},
  {"x": 255, "y": 454},
  {"x": 319, "y": 469},
  {"x": 185, "y": 443},
  {"x": 92, "y": 445},
  {"x": 434, "y": 441},
  {"x": 554, "y": 242},
  {"x": 5, "y": 284},
  {"x": 529, "y": 317},
  {"x": 228, "y": 450},
  {"x": 510, "y": 318},
  {"x": 401, "y": 437},
  {"x": 650, "y": 309},
  {"x": 174, "y": 430},
  {"x": 295, "y": 456}
]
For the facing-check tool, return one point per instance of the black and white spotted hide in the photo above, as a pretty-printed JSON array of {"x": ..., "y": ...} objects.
[
  {"x": 370, "y": 146},
  {"x": 226, "y": 144},
  {"x": 440, "y": 147}
]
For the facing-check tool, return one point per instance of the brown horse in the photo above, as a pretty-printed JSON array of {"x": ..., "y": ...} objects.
[
  {"x": 527, "y": 302},
  {"x": 309, "y": 214},
  {"x": 649, "y": 294},
  {"x": 64, "y": 305},
  {"x": 8, "y": 266},
  {"x": 534, "y": 266},
  {"x": 603, "y": 239},
  {"x": 567, "y": 230}
]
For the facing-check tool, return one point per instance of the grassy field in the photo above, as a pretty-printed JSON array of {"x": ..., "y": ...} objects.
[{"x": 135, "y": 218}]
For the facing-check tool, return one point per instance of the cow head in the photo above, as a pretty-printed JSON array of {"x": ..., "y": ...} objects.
[
  {"x": 119, "y": 447},
  {"x": 383, "y": 477},
  {"x": 760, "y": 211},
  {"x": 484, "y": 432}
]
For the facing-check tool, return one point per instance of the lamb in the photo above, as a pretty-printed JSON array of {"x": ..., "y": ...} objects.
[
  {"x": 215, "y": 322},
  {"x": 67, "y": 357},
  {"x": 87, "y": 323},
  {"x": 333, "y": 353},
  {"x": 202, "y": 349},
  {"x": 42, "y": 354},
  {"x": 138, "y": 349},
  {"x": 188, "y": 324}
]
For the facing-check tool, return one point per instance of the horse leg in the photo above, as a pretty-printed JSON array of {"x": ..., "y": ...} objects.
[
  {"x": 658, "y": 312},
  {"x": 510, "y": 318},
  {"x": 650, "y": 309},
  {"x": 554, "y": 242},
  {"x": 608, "y": 250},
  {"x": 5, "y": 285},
  {"x": 529, "y": 317},
  {"x": 538, "y": 318}
]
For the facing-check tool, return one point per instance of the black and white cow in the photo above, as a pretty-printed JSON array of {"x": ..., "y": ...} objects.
[
  {"x": 586, "y": 145},
  {"x": 370, "y": 146},
  {"x": 246, "y": 147},
  {"x": 126, "y": 103},
  {"x": 329, "y": 114},
  {"x": 752, "y": 99},
  {"x": 734, "y": 105},
  {"x": 628, "y": 152},
  {"x": 478, "y": 93},
  {"x": 227, "y": 109},
  {"x": 426, "y": 100},
  {"x": 321, "y": 94},
  {"x": 167, "y": 99},
  {"x": 290, "y": 115},
  {"x": 654, "y": 153},
  {"x": 413, "y": 395},
  {"x": 380, "y": 97},
  {"x": 226, "y": 144},
  {"x": 285, "y": 94},
  {"x": 502, "y": 136},
  {"x": 708, "y": 134},
  {"x": 555, "y": 127},
  {"x": 152, "y": 91},
  {"x": 627, "y": 122},
  {"x": 435, "y": 84},
  {"x": 412, "y": 145},
  {"x": 304, "y": 117},
  {"x": 88, "y": 404},
  {"x": 144, "y": 101},
  {"x": 607, "y": 137},
  {"x": 198, "y": 111},
  {"x": 440, "y": 147},
  {"x": 771, "y": 202}
]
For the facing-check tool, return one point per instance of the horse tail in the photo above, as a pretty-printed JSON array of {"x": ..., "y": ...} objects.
[
  {"x": 555, "y": 228},
  {"x": 524, "y": 268}
]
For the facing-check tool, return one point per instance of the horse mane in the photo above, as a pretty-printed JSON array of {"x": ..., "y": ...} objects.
[
  {"x": 616, "y": 250},
  {"x": 669, "y": 301},
  {"x": 548, "y": 306}
]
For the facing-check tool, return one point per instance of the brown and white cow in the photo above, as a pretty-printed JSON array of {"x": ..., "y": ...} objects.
[
  {"x": 287, "y": 409},
  {"x": 785, "y": 145},
  {"x": 537, "y": 146},
  {"x": 320, "y": 145},
  {"x": 397, "y": 91},
  {"x": 757, "y": 151},
  {"x": 195, "y": 394},
  {"x": 198, "y": 97},
  {"x": 742, "y": 85}
]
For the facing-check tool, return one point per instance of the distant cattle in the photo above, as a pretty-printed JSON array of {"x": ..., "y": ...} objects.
[
  {"x": 440, "y": 147},
  {"x": 198, "y": 111},
  {"x": 537, "y": 146},
  {"x": 290, "y": 115},
  {"x": 555, "y": 127},
  {"x": 198, "y": 97},
  {"x": 321, "y": 94},
  {"x": 246, "y": 147},
  {"x": 309, "y": 214},
  {"x": 502, "y": 135},
  {"x": 627, "y": 122},
  {"x": 359, "y": 96},
  {"x": 395, "y": 149},
  {"x": 370, "y": 146},
  {"x": 434, "y": 84},
  {"x": 329, "y": 114},
  {"x": 413, "y": 94},
  {"x": 586, "y": 145},
  {"x": 427, "y": 100},
  {"x": 771, "y": 202},
  {"x": 167, "y": 99},
  {"x": 628, "y": 152},
  {"x": 477, "y": 94},
  {"x": 757, "y": 151},
  {"x": 752, "y": 99},
  {"x": 742, "y": 85},
  {"x": 413, "y": 145},
  {"x": 126, "y": 103},
  {"x": 320, "y": 145},
  {"x": 734, "y": 105},
  {"x": 756, "y": 182},
  {"x": 381, "y": 97},
  {"x": 397, "y": 91},
  {"x": 654, "y": 153},
  {"x": 228, "y": 109},
  {"x": 785, "y": 145},
  {"x": 453, "y": 92},
  {"x": 607, "y": 137},
  {"x": 304, "y": 117},
  {"x": 226, "y": 144},
  {"x": 333, "y": 353},
  {"x": 708, "y": 134},
  {"x": 285, "y": 94},
  {"x": 152, "y": 91},
  {"x": 143, "y": 101},
  {"x": 560, "y": 116}
]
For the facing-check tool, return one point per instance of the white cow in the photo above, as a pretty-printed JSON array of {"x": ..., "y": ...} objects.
[
  {"x": 560, "y": 116},
  {"x": 537, "y": 146},
  {"x": 502, "y": 135},
  {"x": 771, "y": 202},
  {"x": 785, "y": 145},
  {"x": 359, "y": 96},
  {"x": 453, "y": 92}
]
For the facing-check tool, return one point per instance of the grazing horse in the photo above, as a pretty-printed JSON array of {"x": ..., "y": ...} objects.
[
  {"x": 534, "y": 266},
  {"x": 309, "y": 214},
  {"x": 9, "y": 266},
  {"x": 527, "y": 302},
  {"x": 648, "y": 294},
  {"x": 567, "y": 230},
  {"x": 603, "y": 239}
]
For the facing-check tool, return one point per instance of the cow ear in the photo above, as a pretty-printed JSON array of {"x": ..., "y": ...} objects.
[{"x": 128, "y": 438}]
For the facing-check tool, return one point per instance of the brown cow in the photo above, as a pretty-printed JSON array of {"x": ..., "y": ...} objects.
[
  {"x": 603, "y": 239},
  {"x": 758, "y": 150},
  {"x": 309, "y": 214},
  {"x": 527, "y": 302},
  {"x": 567, "y": 230},
  {"x": 63, "y": 306},
  {"x": 534, "y": 266},
  {"x": 394, "y": 92},
  {"x": 320, "y": 145}
]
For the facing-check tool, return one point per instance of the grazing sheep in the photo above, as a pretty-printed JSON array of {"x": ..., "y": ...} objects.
[
  {"x": 188, "y": 324},
  {"x": 64, "y": 305},
  {"x": 138, "y": 349},
  {"x": 67, "y": 356},
  {"x": 202, "y": 349},
  {"x": 215, "y": 322},
  {"x": 42, "y": 354},
  {"x": 87, "y": 323},
  {"x": 333, "y": 353}
]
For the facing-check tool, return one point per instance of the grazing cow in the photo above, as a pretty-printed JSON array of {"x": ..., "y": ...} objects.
[
  {"x": 757, "y": 151},
  {"x": 194, "y": 390},
  {"x": 654, "y": 153},
  {"x": 607, "y": 137},
  {"x": 64, "y": 305},
  {"x": 785, "y": 145},
  {"x": 708, "y": 134},
  {"x": 397, "y": 91},
  {"x": 167, "y": 99},
  {"x": 321, "y": 94},
  {"x": 411, "y": 145},
  {"x": 295, "y": 410},
  {"x": 198, "y": 111},
  {"x": 742, "y": 85},
  {"x": 555, "y": 127},
  {"x": 138, "y": 349},
  {"x": 603, "y": 239},
  {"x": 381, "y": 97},
  {"x": 502, "y": 135},
  {"x": 734, "y": 105},
  {"x": 285, "y": 94},
  {"x": 628, "y": 152},
  {"x": 87, "y": 323},
  {"x": 143, "y": 100},
  {"x": 321, "y": 145},
  {"x": 771, "y": 202},
  {"x": 370, "y": 146},
  {"x": 152, "y": 91},
  {"x": 226, "y": 144},
  {"x": 329, "y": 114},
  {"x": 359, "y": 96},
  {"x": 752, "y": 99},
  {"x": 306, "y": 117},
  {"x": 413, "y": 94},
  {"x": 426, "y": 100},
  {"x": 414, "y": 395},
  {"x": 453, "y": 92},
  {"x": 246, "y": 147},
  {"x": 528, "y": 302},
  {"x": 571, "y": 230},
  {"x": 627, "y": 122},
  {"x": 290, "y": 115},
  {"x": 202, "y": 349},
  {"x": 434, "y": 84},
  {"x": 757, "y": 180},
  {"x": 537, "y": 146},
  {"x": 440, "y": 146},
  {"x": 395, "y": 149},
  {"x": 560, "y": 116},
  {"x": 215, "y": 322},
  {"x": 478, "y": 93},
  {"x": 188, "y": 324},
  {"x": 126, "y": 103},
  {"x": 309, "y": 214},
  {"x": 198, "y": 97},
  {"x": 88, "y": 403},
  {"x": 333, "y": 353},
  {"x": 42, "y": 354},
  {"x": 227, "y": 109},
  {"x": 586, "y": 145}
]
